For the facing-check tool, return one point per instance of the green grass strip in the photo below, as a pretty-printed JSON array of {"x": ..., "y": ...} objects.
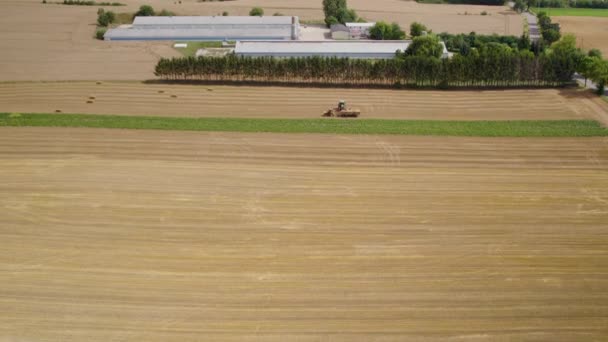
[
  {"x": 519, "y": 128},
  {"x": 573, "y": 12}
]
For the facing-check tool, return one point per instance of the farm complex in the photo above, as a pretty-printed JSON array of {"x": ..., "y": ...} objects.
[{"x": 302, "y": 170}]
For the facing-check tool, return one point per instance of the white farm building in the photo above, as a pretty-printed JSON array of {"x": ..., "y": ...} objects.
[
  {"x": 216, "y": 28},
  {"x": 370, "y": 49}
]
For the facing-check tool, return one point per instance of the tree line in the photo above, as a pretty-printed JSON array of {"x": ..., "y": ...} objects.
[{"x": 494, "y": 65}]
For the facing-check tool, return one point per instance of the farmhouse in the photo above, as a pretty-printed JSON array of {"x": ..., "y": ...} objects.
[
  {"x": 370, "y": 49},
  {"x": 216, "y": 28}
]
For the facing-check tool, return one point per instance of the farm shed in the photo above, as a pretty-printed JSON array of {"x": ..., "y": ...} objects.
[
  {"x": 216, "y": 28},
  {"x": 371, "y": 49},
  {"x": 340, "y": 32},
  {"x": 359, "y": 30}
]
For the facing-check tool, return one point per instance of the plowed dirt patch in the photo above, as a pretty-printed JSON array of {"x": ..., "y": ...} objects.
[{"x": 164, "y": 236}]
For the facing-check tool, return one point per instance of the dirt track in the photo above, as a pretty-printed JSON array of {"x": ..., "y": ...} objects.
[
  {"x": 113, "y": 235},
  {"x": 213, "y": 101},
  {"x": 55, "y": 42}
]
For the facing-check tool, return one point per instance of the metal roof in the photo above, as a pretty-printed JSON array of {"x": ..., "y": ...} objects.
[
  {"x": 212, "y": 34},
  {"x": 214, "y": 20},
  {"x": 360, "y": 24},
  {"x": 339, "y": 27},
  {"x": 322, "y": 47}
]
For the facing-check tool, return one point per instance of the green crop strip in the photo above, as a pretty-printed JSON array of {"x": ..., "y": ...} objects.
[{"x": 519, "y": 128}]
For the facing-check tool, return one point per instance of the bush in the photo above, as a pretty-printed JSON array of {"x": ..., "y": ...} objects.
[
  {"x": 145, "y": 11},
  {"x": 256, "y": 11},
  {"x": 416, "y": 29},
  {"x": 165, "y": 13},
  {"x": 105, "y": 18},
  {"x": 384, "y": 31},
  {"x": 225, "y": 14},
  {"x": 278, "y": 14},
  {"x": 100, "y": 33},
  {"x": 425, "y": 46}
]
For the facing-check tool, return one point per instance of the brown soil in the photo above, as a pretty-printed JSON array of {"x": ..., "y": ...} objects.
[
  {"x": 133, "y": 98},
  {"x": 117, "y": 235},
  {"x": 590, "y": 32},
  {"x": 55, "y": 42}
]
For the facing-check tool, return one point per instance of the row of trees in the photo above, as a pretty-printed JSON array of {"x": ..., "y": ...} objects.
[
  {"x": 384, "y": 31},
  {"x": 493, "y": 65},
  {"x": 148, "y": 11},
  {"x": 550, "y": 31},
  {"x": 464, "y": 43}
]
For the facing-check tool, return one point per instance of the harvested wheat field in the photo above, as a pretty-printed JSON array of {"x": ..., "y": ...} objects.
[
  {"x": 438, "y": 17},
  {"x": 134, "y": 98},
  {"x": 590, "y": 32},
  {"x": 56, "y": 42},
  {"x": 118, "y": 235}
]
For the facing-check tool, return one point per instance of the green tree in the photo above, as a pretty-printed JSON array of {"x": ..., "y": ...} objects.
[
  {"x": 145, "y": 11},
  {"x": 100, "y": 33},
  {"x": 331, "y": 8},
  {"x": 598, "y": 73},
  {"x": 256, "y": 12},
  {"x": 520, "y": 6},
  {"x": 383, "y": 31},
  {"x": 416, "y": 29},
  {"x": 594, "y": 53},
  {"x": 105, "y": 18},
  {"x": 425, "y": 46}
]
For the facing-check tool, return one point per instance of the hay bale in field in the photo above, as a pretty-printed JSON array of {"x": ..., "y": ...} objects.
[
  {"x": 174, "y": 96},
  {"x": 90, "y": 101},
  {"x": 57, "y": 110}
]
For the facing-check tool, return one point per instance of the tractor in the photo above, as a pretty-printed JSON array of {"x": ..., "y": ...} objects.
[{"x": 342, "y": 112}]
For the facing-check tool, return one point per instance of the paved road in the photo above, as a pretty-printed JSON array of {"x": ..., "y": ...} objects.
[{"x": 532, "y": 26}]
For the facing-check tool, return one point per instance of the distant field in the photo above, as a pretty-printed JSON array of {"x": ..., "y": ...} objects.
[
  {"x": 574, "y": 12},
  {"x": 590, "y": 32}
]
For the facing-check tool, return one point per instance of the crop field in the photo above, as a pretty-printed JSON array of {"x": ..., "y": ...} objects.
[
  {"x": 55, "y": 42},
  {"x": 574, "y": 12},
  {"x": 590, "y": 32},
  {"x": 120, "y": 235},
  {"x": 135, "y": 98}
]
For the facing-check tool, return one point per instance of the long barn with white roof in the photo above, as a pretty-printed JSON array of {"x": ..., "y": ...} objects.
[
  {"x": 370, "y": 49},
  {"x": 216, "y": 28}
]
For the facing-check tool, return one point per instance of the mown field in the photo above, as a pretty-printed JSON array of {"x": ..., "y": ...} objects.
[
  {"x": 135, "y": 98},
  {"x": 180, "y": 236}
]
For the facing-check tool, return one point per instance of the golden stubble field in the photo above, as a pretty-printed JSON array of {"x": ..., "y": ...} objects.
[
  {"x": 55, "y": 42},
  {"x": 135, "y": 98},
  {"x": 590, "y": 32},
  {"x": 118, "y": 235}
]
